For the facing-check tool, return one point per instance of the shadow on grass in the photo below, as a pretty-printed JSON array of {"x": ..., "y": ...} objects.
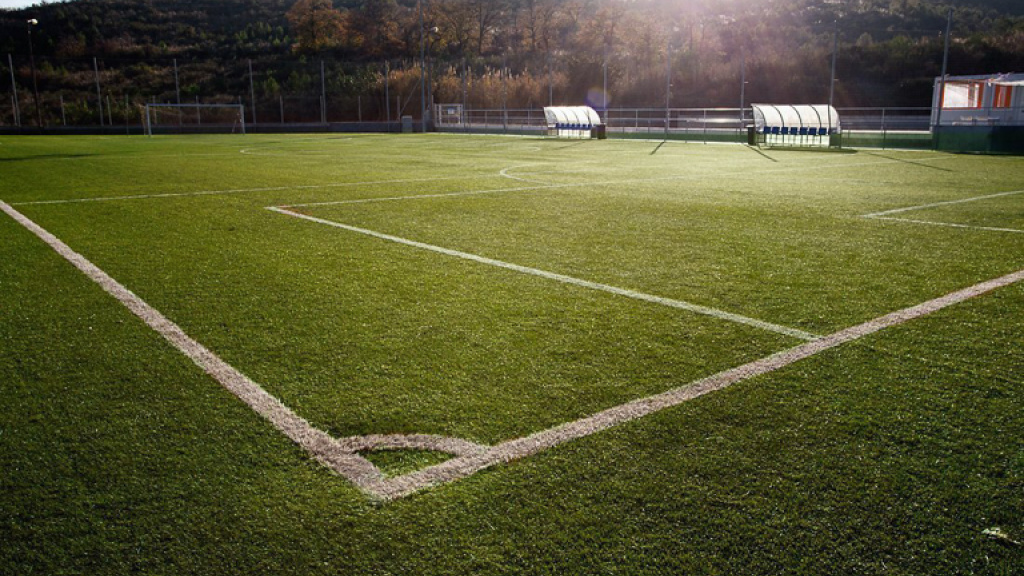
[
  {"x": 905, "y": 161},
  {"x": 759, "y": 151},
  {"x": 656, "y": 148},
  {"x": 47, "y": 157},
  {"x": 573, "y": 145}
]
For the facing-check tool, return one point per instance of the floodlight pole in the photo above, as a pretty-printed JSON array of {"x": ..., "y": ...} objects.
[
  {"x": 252, "y": 92},
  {"x": 604, "y": 90},
  {"x": 743, "y": 83},
  {"x": 14, "y": 92},
  {"x": 551, "y": 83},
  {"x": 668, "y": 83},
  {"x": 423, "y": 69},
  {"x": 504, "y": 91},
  {"x": 99, "y": 94},
  {"x": 323, "y": 94},
  {"x": 465, "y": 92},
  {"x": 387, "y": 92},
  {"x": 832, "y": 82},
  {"x": 942, "y": 79},
  {"x": 835, "y": 50},
  {"x": 177, "y": 91},
  {"x": 32, "y": 60}
]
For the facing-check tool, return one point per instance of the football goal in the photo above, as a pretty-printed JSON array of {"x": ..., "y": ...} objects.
[
  {"x": 195, "y": 118},
  {"x": 449, "y": 115}
]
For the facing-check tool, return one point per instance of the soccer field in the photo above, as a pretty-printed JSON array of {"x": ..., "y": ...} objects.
[{"x": 441, "y": 354}]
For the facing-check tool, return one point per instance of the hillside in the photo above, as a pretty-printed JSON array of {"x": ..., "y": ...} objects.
[{"x": 889, "y": 51}]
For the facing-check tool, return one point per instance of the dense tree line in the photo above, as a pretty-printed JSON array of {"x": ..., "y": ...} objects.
[{"x": 516, "y": 53}]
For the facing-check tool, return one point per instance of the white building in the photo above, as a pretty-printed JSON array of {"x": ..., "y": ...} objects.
[{"x": 980, "y": 113}]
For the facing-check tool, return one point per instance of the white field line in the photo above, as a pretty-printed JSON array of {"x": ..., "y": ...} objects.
[
  {"x": 504, "y": 173},
  {"x": 439, "y": 195},
  {"x": 464, "y": 466},
  {"x": 948, "y": 224},
  {"x": 678, "y": 304},
  {"x": 339, "y": 454},
  {"x": 237, "y": 191},
  {"x": 887, "y": 214},
  {"x": 937, "y": 204},
  {"x": 322, "y": 446},
  {"x": 454, "y": 446},
  {"x": 581, "y": 183},
  {"x": 414, "y": 180}
]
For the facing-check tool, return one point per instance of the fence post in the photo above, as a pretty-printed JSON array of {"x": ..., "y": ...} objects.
[
  {"x": 883, "y": 129},
  {"x": 705, "y": 125}
]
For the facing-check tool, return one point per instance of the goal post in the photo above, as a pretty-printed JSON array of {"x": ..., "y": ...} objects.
[
  {"x": 450, "y": 115},
  {"x": 218, "y": 117}
]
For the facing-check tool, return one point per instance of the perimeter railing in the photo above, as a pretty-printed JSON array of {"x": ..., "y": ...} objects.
[{"x": 861, "y": 127}]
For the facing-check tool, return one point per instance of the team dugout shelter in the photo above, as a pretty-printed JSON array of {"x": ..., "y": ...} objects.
[
  {"x": 574, "y": 122},
  {"x": 795, "y": 125},
  {"x": 979, "y": 113}
]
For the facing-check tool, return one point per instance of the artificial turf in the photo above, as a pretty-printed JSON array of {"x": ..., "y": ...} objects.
[{"x": 889, "y": 455}]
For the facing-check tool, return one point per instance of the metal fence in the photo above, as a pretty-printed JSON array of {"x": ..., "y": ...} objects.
[{"x": 861, "y": 127}]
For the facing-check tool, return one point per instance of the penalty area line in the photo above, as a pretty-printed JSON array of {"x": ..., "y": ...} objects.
[
  {"x": 937, "y": 204},
  {"x": 465, "y": 466},
  {"x": 234, "y": 191},
  {"x": 670, "y": 302}
]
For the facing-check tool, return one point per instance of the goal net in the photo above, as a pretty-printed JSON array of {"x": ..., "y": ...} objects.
[
  {"x": 194, "y": 118},
  {"x": 450, "y": 115}
]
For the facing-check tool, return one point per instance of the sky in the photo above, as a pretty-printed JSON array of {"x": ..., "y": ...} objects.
[{"x": 18, "y": 3}]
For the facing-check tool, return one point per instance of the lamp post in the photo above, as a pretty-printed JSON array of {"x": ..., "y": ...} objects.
[
  {"x": 32, "y": 60},
  {"x": 423, "y": 68},
  {"x": 668, "y": 79},
  {"x": 433, "y": 35}
]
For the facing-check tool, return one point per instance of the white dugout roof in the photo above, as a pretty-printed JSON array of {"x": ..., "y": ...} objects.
[
  {"x": 584, "y": 116},
  {"x": 817, "y": 116}
]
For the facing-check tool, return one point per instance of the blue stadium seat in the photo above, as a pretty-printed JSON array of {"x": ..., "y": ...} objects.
[{"x": 775, "y": 130}]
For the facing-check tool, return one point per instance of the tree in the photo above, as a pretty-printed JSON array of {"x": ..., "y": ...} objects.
[{"x": 316, "y": 25}]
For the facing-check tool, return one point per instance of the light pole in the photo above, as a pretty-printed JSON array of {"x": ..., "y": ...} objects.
[
  {"x": 668, "y": 79},
  {"x": 423, "y": 69},
  {"x": 433, "y": 35},
  {"x": 32, "y": 60}
]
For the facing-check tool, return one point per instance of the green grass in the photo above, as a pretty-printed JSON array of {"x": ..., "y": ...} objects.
[{"x": 890, "y": 455}]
